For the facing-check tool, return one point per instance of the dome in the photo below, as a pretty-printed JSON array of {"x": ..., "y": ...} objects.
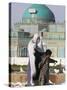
[{"x": 39, "y": 12}]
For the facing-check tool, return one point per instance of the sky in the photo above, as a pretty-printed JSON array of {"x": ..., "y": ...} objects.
[{"x": 18, "y": 9}]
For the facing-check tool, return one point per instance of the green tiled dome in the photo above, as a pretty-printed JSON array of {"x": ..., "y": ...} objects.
[{"x": 43, "y": 13}]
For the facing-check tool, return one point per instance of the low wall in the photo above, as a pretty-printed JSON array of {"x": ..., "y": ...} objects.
[
  {"x": 57, "y": 78},
  {"x": 22, "y": 77},
  {"x": 18, "y": 77}
]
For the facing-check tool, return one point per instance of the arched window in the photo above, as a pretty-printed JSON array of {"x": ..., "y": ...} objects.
[
  {"x": 23, "y": 52},
  {"x": 61, "y": 52}
]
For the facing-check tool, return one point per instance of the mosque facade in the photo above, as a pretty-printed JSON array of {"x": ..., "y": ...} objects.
[{"x": 38, "y": 19}]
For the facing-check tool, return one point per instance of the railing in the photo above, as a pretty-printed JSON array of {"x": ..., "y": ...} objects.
[{"x": 37, "y": 20}]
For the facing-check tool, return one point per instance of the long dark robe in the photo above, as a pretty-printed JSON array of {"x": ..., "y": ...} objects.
[{"x": 38, "y": 54}]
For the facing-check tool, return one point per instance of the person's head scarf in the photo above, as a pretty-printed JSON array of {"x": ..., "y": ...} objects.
[{"x": 35, "y": 37}]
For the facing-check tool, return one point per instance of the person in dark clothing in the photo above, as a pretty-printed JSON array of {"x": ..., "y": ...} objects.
[
  {"x": 38, "y": 53},
  {"x": 44, "y": 67}
]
